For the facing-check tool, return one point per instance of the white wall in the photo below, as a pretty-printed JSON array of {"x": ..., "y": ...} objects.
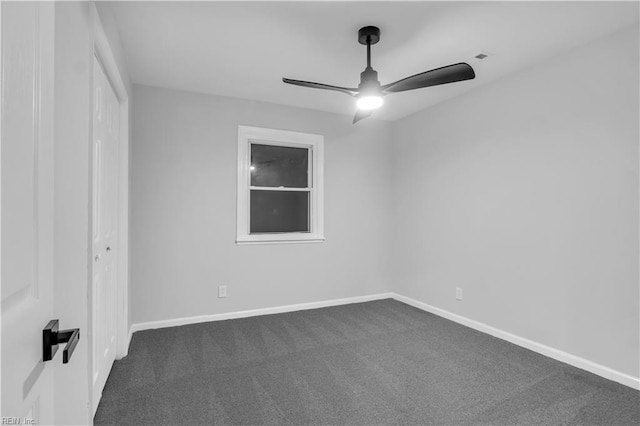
[
  {"x": 183, "y": 210},
  {"x": 525, "y": 194}
]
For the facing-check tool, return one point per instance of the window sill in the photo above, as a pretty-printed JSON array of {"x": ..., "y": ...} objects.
[{"x": 267, "y": 239}]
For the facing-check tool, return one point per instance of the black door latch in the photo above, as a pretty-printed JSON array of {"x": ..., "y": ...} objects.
[{"x": 51, "y": 337}]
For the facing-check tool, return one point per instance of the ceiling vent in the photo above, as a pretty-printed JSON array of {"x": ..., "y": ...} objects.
[{"x": 480, "y": 56}]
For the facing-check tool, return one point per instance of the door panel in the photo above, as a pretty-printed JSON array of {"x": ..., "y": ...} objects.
[
  {"x": 19, "y": 103},
  {"x": 26, "y": 225},
  {"x": 105, "y": 154}
]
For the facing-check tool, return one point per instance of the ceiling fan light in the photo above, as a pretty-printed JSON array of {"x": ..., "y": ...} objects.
[{"x": 369, "y": 102}]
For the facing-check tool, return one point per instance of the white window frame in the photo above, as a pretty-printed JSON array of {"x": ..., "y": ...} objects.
[{"x": 315, "y": 143}]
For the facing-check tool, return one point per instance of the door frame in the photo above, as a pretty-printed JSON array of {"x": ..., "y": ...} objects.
[{"x": 103, "y": 52}]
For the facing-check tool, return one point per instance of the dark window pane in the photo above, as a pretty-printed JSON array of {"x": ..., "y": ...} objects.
[
  {"x": 279, "y": 211},
  {"x": 279, "y": 166}
]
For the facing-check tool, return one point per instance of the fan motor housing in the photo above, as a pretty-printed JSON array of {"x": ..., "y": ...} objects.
[
  {"x": 369, "y": 80},
  {"x": 370, "y": 34}
]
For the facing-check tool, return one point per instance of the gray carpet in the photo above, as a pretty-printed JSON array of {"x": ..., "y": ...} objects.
[{"x": 379, "y": 362}]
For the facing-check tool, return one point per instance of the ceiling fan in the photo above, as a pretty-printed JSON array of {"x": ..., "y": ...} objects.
[{"x": 370, "y": 92}]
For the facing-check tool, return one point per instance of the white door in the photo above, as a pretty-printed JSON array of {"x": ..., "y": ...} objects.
[
  {"x": 26, "y": 225},
  {"x": 106, "y": 113}
]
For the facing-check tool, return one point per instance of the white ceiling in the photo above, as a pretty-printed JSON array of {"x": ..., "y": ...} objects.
[{"x": 243, "y": 49}]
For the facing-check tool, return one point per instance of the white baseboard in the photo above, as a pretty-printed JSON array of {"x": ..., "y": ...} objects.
[
  {"x": 123, "y": 348},
  {"x": 255, "y": 312},
  {"x": 567, "y": 358},
  {"x": 129, "y": 336}
]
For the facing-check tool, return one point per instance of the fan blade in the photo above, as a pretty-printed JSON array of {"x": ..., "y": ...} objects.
[
  {"x": 444, "y": 75},
  {"x": 361, "y": 115},
  {"x": 347, "y": 90}
]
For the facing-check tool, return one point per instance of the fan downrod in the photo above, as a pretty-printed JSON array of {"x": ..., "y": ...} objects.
[{"x": 369, "y": 35}]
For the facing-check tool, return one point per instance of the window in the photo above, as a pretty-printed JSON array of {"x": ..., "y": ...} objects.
[{"x": 280, "y": 198}]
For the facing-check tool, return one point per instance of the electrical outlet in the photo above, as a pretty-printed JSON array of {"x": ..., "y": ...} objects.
[
  {"x": 458, "y": 293},
  {"x": 222, "y": 291}
]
